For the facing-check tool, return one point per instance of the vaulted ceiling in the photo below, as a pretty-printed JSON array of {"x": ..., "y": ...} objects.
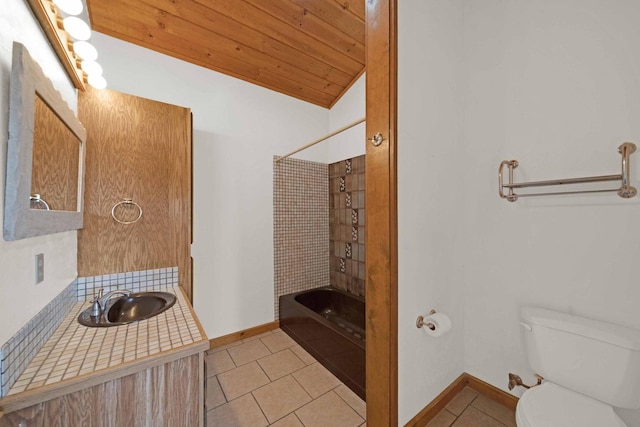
[{"x": 309, "y": 49}]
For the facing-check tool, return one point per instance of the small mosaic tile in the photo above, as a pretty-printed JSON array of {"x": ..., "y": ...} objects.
[
  {"x": 347, "y": 249},
  {"x": 301, "y": 230},
  {"x": 354, "y": 234},
  {"x": 135, "y": 281},
  {"x": 354, "y": 216},
  {"x": 347, "y": 166},
  {"x": 343, "y": 184},
  {"x": 20, "y": 350},
  {"x": 343, "y": 265},
  {"x": 348, "y": 199}
]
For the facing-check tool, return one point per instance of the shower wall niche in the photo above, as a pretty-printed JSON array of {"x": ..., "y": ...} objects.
[{"x": 347, "y": 225}]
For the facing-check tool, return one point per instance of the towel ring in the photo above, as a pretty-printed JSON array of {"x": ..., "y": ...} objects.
[
  {"x": 37, "y": 202},
  {"x": 126, "y": 202}
]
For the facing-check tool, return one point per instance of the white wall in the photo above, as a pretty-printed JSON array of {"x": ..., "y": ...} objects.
[
  {"x": 349, "y": 143},
  {"x": 350, "y": 108},
  {"x": 20, "y": 298},
  {"x": 429, "y": 197},
  {"x": 554, "y": 85},
  {"x": 238, "y": 128}
]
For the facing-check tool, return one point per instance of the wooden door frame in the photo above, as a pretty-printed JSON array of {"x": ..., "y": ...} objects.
[{"x": 381, "y": 215}]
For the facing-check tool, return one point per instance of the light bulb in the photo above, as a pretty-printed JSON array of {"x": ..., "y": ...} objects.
[
  {"x": 77, "y": 28},
  {"x": 85, "y": 51},
  {"x": 91, "y": 68},
  {"x": 70, "y": 7},
  {"x": 98, "y": 82}
]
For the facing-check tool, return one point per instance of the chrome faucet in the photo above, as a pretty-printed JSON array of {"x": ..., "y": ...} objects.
[
  {"x": 96, "y": 308},
  {"x": 108, "y": 295}
]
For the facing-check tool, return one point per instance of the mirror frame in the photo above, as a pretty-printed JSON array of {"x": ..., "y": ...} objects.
[{"x": 20, "y": 221}]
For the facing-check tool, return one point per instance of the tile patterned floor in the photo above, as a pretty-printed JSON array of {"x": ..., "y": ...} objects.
[
  {"x": 269, "y": 380},
  {"x": 471, "y": 409}
]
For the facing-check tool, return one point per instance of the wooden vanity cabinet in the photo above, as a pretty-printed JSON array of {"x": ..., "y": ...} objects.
[{"x": 170, "y": 395}]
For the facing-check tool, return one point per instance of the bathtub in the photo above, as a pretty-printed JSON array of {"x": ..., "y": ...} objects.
[{"x": 329, "y": 324}]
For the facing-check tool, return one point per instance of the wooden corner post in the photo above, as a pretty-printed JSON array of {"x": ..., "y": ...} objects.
[{"x": 381, "y": 215}]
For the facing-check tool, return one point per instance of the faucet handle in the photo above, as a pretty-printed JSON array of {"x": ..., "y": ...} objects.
[{"x": 96, "y": 307}]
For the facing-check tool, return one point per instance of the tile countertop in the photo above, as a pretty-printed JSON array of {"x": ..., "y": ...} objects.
[{"x": 77, "y": 356}]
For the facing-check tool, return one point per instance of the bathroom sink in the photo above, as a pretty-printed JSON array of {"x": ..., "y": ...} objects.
[{"x": 128, "y": 309}]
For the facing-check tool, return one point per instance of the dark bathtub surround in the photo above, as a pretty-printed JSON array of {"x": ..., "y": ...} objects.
[
  {"x": 330, "y": 325},
  {"x": 347, "y": 225},
  {"x": 300, "y": 226}
]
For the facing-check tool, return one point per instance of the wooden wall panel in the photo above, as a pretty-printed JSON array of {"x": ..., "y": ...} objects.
[
  {"x": 138, "y": 149},
  {"x": 166, "y": 395}
]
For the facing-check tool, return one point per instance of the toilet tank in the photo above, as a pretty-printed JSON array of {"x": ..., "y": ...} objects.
[{"x": 598, "y": 359}]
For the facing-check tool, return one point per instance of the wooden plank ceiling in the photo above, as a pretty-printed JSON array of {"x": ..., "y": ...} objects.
[{"x": 309, "y": 49}]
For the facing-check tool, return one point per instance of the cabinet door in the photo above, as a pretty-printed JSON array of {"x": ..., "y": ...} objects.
[
  {"x": 136, "y": 149},
  {"x": 168, "y": 395}
]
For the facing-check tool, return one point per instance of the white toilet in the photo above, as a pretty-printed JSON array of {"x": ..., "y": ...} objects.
[{"x": 588, "y": 366}]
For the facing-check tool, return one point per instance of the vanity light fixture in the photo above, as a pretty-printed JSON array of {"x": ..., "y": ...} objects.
[
  {"x": 92, "y": 68},
  {"x": 94, "y": 74},
  {"x": 77, "y": 28},
  {"x": 85, "y": 50},
  {"x": 97, "y": 81},
  {"x": 68, "y": 35},
  {"x": 70, "y": 7}
]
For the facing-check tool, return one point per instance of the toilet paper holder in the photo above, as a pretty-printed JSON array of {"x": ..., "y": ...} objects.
[{"x": 420, "y": 322}]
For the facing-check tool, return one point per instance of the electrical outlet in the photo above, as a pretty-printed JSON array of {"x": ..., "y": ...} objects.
[{"x": 39, "y": 268}]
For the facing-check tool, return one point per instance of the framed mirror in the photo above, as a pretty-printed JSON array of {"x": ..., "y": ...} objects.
[{"x": 45, "y": 156}]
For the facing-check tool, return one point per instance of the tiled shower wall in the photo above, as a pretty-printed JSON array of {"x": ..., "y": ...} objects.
[
  {"x": 346, "y": 223},
  {"x": 300, "y": 226}
]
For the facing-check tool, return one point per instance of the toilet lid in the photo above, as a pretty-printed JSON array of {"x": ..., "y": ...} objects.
[{"x": 549, "y": 405}]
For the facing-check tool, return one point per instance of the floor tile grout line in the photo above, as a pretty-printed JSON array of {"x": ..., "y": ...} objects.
[
  {"x": 487, "y": 414},
  {"x": 470, "y": 403},
  {"x": 297, "y": 417},
  {"x": 271, "y": 382},
  {"x": 223, "y": 392},
  {"x": 348, "y": 404},
  {"x": 230, "y": 358},
  {"x": 302, "y": 387},
  {"x": 290, "y": 348},
  {"x": 454, "y": 415},
  {"x": 296, "y": 370},
  {"x": 465, "y": 406},
  {"x": 263, "y": 371},
  {"x": 333, "y": 390},
  {"x": 223, "y": 395},
  {"x": 260, "y": 407}
]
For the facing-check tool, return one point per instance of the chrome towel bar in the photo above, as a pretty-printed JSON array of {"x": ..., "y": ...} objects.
[{"x": 626, "y": 190}]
